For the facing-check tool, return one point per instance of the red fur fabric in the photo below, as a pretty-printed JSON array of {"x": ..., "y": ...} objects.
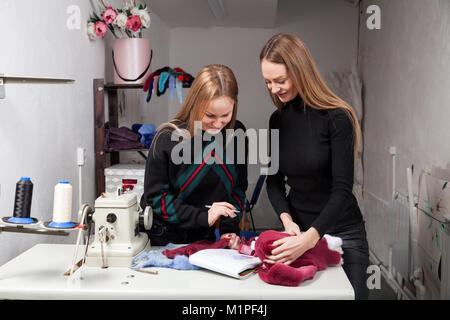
[
  {"x": 304, "y": 268},
  {"x": 196, "y": 246}
]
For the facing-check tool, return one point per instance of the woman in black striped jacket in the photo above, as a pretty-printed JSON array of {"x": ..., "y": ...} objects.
[{"x": 183, "y": 176}]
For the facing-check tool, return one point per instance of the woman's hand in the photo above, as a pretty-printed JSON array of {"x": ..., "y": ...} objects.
[
  {"x": 234, "y": 242},
  {"x": 290, "y": 248},
  {"x": 292, "y": 228},
  {"x": 289, "y": 226},
  {"x": 219, "y": 209}
]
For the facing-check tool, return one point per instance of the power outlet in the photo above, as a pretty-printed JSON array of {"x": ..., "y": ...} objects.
[
  {"x": 81, "y": 156},
  {"x": 392, "y": 150}
]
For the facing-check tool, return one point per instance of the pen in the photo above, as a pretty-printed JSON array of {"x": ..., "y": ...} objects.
[{"x": 210, "y": 207}]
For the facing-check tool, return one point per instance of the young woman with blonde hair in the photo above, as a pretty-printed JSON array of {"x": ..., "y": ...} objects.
[
  {"x": 319, "y": 136},
  {"x": 178, "y": 192}
]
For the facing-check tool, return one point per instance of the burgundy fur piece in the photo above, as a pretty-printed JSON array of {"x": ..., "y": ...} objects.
[
  {"x": 196, "y": 246},
  {"x": 304, "y": 268}
]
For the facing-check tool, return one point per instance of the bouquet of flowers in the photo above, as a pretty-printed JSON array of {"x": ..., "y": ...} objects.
[{"x": 126, "y": 22}]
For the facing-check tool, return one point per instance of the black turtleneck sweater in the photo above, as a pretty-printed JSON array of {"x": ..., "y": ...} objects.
[{"x": 316, "y": 162}]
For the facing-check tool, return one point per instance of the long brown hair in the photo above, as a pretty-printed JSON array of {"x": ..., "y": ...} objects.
[
  {"x": 212, "y": 81},
  {"x": 292, "y": 52}
]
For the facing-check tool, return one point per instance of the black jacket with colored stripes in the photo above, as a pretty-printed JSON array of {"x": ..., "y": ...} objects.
[{"x": 178, "y": 192}]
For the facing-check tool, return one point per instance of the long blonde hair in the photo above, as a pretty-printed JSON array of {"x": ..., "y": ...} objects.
[
  {"x": 211, "y": 82},
  {"x": 292, "y": 52}
]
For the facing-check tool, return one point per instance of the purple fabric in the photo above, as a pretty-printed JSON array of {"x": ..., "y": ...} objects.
[{"x": 121, "y": 139}]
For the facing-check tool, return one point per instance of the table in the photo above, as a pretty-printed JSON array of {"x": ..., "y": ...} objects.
[{"x": 38, "y": 274}]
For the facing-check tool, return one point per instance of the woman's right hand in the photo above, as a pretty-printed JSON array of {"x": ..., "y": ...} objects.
[{"x": 219, "y": 209}]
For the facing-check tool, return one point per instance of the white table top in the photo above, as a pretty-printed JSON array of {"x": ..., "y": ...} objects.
[{"x": 38, "y": 274}]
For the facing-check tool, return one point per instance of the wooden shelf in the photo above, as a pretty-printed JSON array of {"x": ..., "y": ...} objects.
[
  {"x": 122, "y": 150},
  {"x": 100, "y": 87}
]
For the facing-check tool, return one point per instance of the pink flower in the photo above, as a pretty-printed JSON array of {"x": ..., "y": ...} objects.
[
  {"x": 100, "y": 29},
  {"x": 134, "y": 23},
  {"x": 109, "y": 15}
]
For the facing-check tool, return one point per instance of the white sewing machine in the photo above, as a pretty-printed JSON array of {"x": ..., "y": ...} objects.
[{"x": 117, "y": 238}]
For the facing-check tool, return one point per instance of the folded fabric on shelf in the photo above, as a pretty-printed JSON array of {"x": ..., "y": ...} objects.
[
  {"x": 147, "y": 132},
  {"x": 121, "y": 138}
]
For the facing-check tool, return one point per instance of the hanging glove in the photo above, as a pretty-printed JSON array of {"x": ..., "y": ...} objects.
[
  {"x": 150, "y": 90},
  {"x": 171, "y": 86},
  {"x": 179, "y": 87},
  {"x": 162, "y": 81}
]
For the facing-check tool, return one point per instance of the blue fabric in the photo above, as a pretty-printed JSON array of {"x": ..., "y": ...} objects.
[
  {"x": 172, "y": 87},
  {"x": 248, "y": 234},
  {"x": 135, "y": 127},
  {"x": 147, "y": 132},
  {"x": 155, "y": 258}
]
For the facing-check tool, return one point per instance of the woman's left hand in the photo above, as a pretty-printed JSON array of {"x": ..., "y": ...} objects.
[
  {"x": 234, "y": 242},
  {"x": 290, "y": 248}
]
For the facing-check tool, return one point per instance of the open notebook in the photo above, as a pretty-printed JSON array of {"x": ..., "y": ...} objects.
[{"x": 226, "y": 261}]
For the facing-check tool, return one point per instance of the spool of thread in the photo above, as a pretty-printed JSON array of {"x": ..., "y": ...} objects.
[
  {"x": 62, "y": 206},
  {"x": 22, "y": 202}
]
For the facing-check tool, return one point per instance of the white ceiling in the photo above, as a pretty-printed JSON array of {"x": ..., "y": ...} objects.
[{"x": 197, "y": 13}]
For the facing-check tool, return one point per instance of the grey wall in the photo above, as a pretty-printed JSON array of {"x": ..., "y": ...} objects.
[
  {"x": 41, "y": 125},
  {"x": 405, "y": 68}
]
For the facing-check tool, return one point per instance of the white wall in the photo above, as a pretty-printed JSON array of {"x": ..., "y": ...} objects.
[
  {"x": 405, "y": 67},
  {"x": 329, "y": 29},
  {"x": 41, "y": 125}
]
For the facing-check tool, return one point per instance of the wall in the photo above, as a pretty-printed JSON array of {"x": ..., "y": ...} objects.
[
  {"x": 41, "y": 125},
  {"x": 405, "y": 70}
]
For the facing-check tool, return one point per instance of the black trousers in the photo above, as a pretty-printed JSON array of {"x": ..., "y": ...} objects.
[{"x": 356, "y": 258}]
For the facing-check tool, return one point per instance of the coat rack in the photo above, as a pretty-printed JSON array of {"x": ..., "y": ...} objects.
[{"x": 22, "y": 80}]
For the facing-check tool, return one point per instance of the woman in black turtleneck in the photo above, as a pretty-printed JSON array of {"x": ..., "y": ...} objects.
[{"x": 318, "y": 142}]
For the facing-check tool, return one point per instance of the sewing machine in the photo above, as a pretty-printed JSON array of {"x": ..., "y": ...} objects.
[{"x": 117, "y": 238}]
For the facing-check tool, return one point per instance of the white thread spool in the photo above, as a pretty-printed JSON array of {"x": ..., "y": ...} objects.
[{"x": 62, "y": 202}]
